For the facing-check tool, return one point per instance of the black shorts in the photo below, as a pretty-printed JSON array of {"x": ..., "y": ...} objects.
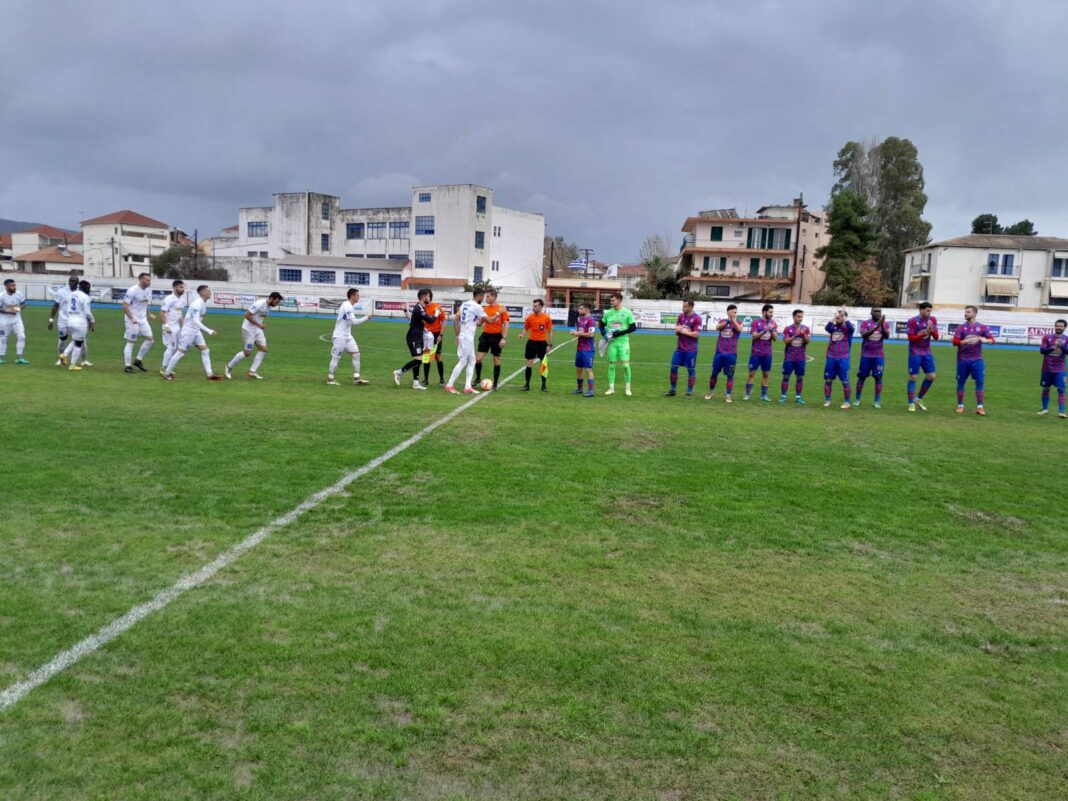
[
  {"x": 415, "y": 345},
  {"x": 490, "y": 343},
  {"x": 536, "y": 349}
]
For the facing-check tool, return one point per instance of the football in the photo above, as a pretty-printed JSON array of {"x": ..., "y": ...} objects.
[{"x": 487, "y": 384}]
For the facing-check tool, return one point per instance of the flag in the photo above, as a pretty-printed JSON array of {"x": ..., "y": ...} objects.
[
  {"x": 577, "y": 264},
  {"x": 543, "y": 368}
]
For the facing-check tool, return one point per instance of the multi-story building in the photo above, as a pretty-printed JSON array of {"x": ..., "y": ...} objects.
[
  {"x": 40, "y": 237},
  {"x": 1020, "y": 273},
  {"x": 771, "y": 254},
  {"x": 121, "y": 244},
  {"x": 449, "y": 236}
]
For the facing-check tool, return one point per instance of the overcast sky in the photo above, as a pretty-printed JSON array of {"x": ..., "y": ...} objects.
[{"x": 615, "y": 119}]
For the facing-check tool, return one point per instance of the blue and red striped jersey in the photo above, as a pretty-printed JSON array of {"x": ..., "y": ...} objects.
[
  {"x": 1053, "y": 348},
  {"x": 920, "y": 345},
  {"x": 792, "y": 333},
  {"x": 727, "y": 341},
  {"x": 841, "y": 339},
  {"x": 762, "y": 347},
  {"x": 872, "y": 346},
  {"x": 694, "y": 323},
  {"x": 970, "y": 353},
  {"x": 586, "y": 325}
]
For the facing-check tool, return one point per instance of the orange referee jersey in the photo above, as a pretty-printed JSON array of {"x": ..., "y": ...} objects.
[
  {"x": 502, "y": 322},
  {"x": 539, "y": 326},
  {"x": 434, "y": 309}
]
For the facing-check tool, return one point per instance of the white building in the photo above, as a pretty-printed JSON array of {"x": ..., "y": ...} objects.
[
  {"x": 450, "y": 235},
  {"x": 120, "y": 244},
  {"x": 40, "y": 237},
  {"x": 1017, "y": 273}
]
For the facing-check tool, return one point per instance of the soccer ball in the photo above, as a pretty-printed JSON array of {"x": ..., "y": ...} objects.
[{"x": 486, "y": 384}]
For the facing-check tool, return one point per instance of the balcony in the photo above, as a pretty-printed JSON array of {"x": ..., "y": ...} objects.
[
  {"x": 739, "y": 276},
  {"x": 920, "y": 270}
]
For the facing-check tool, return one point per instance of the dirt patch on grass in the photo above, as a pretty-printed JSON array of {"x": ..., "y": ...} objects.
[
  {"x": 642, "y": 441},
  {"x": 396, "y": 711},
  {"x": 984, "y": 518},
  {"x": 71, "y": 712}
]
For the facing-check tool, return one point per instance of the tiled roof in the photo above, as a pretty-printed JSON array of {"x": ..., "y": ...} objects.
[
  {"x": 53, "y": 255},
  {"x": 1000, "y": 241},
  {"x": 126, "y": 217}
]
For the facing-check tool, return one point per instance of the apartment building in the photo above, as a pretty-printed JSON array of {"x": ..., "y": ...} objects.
[{"x": 121, "y": 244}]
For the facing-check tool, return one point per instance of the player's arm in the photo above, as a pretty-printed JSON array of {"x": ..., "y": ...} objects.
[
  {"x": 126, "y": 311},
  {"x": 989, "y": 335},
  {"x": 721, "y": 325},
  {"x": 630, "y": 329},
  {"x": 506, "y": 319},
  {"x": 957, "y": 340},
  {"x": 52, "y": 314},
  {"x": 251, "y": 319},
  {"x": 866, "y": 333}
]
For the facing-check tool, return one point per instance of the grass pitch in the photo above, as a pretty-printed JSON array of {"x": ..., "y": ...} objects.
[{"x": 548, "y": 598}]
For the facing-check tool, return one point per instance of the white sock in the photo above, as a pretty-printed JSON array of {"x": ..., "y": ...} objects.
[
  {"x": 127, "y": 354},
  {"x": 3, "y": 346},
  {"x": 257, "y": 360},
  {"x": 76, "y": 355},
  {"x": 334, "y": 359},
  {"x": 470, "y": 373},
  {"x": 238, "y": 358},
  {"x": 177, "y": 357},
  {"x": 20, "y": 346},
  {"x": 167, "y": 355},
  {"x": 356, "y": 365},
  {"x": 146, "y": 346},
  {"x": 455, "y": 374},
  {"x": 205, "y": 359},
  {"x": 61, "y": 346},
  {"x": 69, "y": 349}
]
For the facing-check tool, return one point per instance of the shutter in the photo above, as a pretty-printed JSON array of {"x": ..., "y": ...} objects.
[{"x": 786, "y": 243}]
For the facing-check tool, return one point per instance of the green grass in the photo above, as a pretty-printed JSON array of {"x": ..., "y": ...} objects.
[{"x": 548, "y": 598}]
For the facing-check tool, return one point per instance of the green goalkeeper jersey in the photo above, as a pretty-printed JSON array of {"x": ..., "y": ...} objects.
[{"x": 618, "y": 320}]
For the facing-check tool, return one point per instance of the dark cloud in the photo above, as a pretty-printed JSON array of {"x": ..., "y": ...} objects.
[{"x": 615, "y": 119}]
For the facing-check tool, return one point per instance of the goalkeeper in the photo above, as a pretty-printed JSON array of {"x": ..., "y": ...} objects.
[{"x": 617, "y": 325}]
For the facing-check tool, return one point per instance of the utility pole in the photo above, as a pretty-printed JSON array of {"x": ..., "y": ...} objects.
[
  {"x": 799, "y": 270},
  {"x": 587, "y": 252}
]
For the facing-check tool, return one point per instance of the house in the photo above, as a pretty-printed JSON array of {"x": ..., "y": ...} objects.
[
  {"x": 451, "y": 235},
  {"x": 769, "y": 255},
  {"x": 121, "y": 244},
  {"x": 40, "y": 237},
  {"x": 52, "y": 260},
  {"x": 1014, "y": 273}
]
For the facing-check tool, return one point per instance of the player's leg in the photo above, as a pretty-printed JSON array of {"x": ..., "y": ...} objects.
[
  {"x": 731, "y": 363},
  {"x": 799, "y": 382},
  {"x": 257, "y": 360},
  {"x": 205, "y": 355},
  {"x": 613, "y": 357},
  {"x": 147, "y": 341},
  {"x": 354, "y": 354},
  {"x": 336, "y": 349},
  {"x": 496, "y": 366},
  {"x": 76, "y": 353},
  {"x": 877, "y": 375},
  {"x": 753, "y": 364},
  {"x": 450, "y": 385},
  {"x": 479, "y": 356},
  {"x": 241, "y": 355},
  {"x": 19, "y": 330},
  {"x": 979, "y": 377},
  {"x": 863, "y": 372},
  {"x": 589, "y": 376},
  {"x": 1060, "y": 393},
  {"x": 676, "y": 360},
  {"x": 843, "y": 376},
  {"x": 179, "y": 354},
  {"x": 128, "y": 348},
  {"x": 439, "y": 359},
  {"x": 5, "y": 331},
  {"x": 691, "y": 373},
  {"x": 962, "y": 379},
  {"x": 787, "y": 368},
  {"x": 928, "y": 377},
  {"x": 828, "y": 381},
  {"x": 914, "y": 371},
  {"x": 765, "y": 370}
]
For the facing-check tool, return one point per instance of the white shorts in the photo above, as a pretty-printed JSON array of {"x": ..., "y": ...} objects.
[
  {"x": 253, "y": 338},
  {"x": 428, "y": 341},
  {"x": 465, "y": 350},
  {"x": 189, "y": 339},
  {"x": 140, "y": 328},
  {"x": 62, "y": 327},
  {"x": 170, "y": 340},
  {"x": 344, "y": 345},
  {"x": 12, "y": 326},
  {"x": 77, "y": 330}
]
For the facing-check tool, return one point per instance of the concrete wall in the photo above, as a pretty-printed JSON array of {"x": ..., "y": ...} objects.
[{"x": 518, "y": 250}]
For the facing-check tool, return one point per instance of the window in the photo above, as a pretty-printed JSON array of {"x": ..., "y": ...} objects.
[
  {"x": 399, "y": 256},
  {"x": 252, "y": 253},
  {"x": 992, "y": 263},
  {"x": 717, "y": 233},
  {"x": 357, "y": 279},
  {"x": 718, "y": 291},
  {"x": 769, "y": 267},
  {"x": 354, "y": 231},
  {"x": 478, "y": 275},
  {"x": 398, "y": 230},
  {"x": 722, "y": 263},
  {"x": 424, "y": 260},
  {"x": 497, "y": 231},
  {"x": 786, "y": 239},
  {"x": 754, "y": 267},
  {"x": 326, "y": 212},
  {"x": 1059, "y": 269},
  {"x": 257, "y": 230},
  {"x": 1006, "y": 264},
  {"x": 480, "y": 205},
  {"x": 480, "y": 240},
  {"x": 138, "y": 259},
  {"x": 263, "y": 254},
  {"x": 495, "y": 266},
  {"x": 1004, "y": 300},
  {"x": 289, "y": 275},
  {"x": 324, "y": 243},
  {"x": 424, "y": 197},
  {"x": 704, "y": 264},
  {"x": 738, "y": 233},
  {"x": 736, "y": 263},
  {"x": 424, "y": 226},
  {"x": 785, "y": 268},
  {"x": 376, "y": 255},
  {"x": 389, "y": 279},
  {"x": 323, "y": 277},
  {"x": 353, "y": 255},
  {"x": 376, "y": 230}
]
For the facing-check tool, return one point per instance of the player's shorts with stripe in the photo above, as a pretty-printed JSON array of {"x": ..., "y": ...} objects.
[
  {"x": 584, "y": 359},
  {"x": 536, "y": 349},
  {"x": 490, "y": 343},
  {"x": 12, "y": 327},
  {"x": 78, "y": 331},
  {"x": 191, "y": 338},
  {"x": 345, "y": 344},
  {"x": 794, "y": 367},
  {"x": 724, "y": 363},
  {"x": 921, "y": 364},
  {"x": 762, "y": 363},
  {"x": 415, "y": 345},
  {"x": 170, "y": 339},
  {"x": 687, "y": 359},
  {"x": 62, "y": 329},
  {"x": 137, "y": 328},
  {"x": 871, "y": 366},
  {"x": 1053, "y": 380},
  {"x": 618, "y": 350},
  {"x": 253, "y": 338},
  {"x": 975, "y": 370},
  {"x": 836, "y": 368}
]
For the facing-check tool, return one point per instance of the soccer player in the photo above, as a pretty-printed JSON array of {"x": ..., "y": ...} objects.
[
  {"x": 343, "y": 341},
  {"x": 135, "y": 314},
  {"x": 253, "y": 335},
  {"x": 170, "y": 312},
  {"x": 795, "y": 357},
  {"x": 873, "y": 332},
  {"x": 726, "y": 357},
  {"x": 58, "y": 316},
  {"x": 840, "y": 330},
  {"x": 80, "y": 322},
  {"x": 494, "y": 336},
  {"x": 12, "y": 302},
  {"x": 921, "y": 330},
  {"x": 969, "y": 339},
  {"x": 617, "y": 324},
  {"x": 465, "y": 323},
  {"x": 586, "y": 331},
  {"x": 764, "y": 332},
  {"x": 432, "y": 341},
  {"x": 193, "y": 331},
  {"x": 688, "y": 330},
  {"x": 1053, "y": 348},
  {"x": 538, "y": 328},
  {"x": 414, "y": 338}
]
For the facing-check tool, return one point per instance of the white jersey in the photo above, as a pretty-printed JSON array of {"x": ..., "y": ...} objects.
[
  {"x": 346, "y": 319},
  {"x": 138, "y": 299},
  {"x": 194, "y": 317},
  {"x": 11, "y": 302},
  {"x": 62, "y": 299},
  {"x": 171, "y": 309},
  {"x": 470, "y": 314},
  {"x": 258, "y": 310},
  {"x": 78, "y": 308}
]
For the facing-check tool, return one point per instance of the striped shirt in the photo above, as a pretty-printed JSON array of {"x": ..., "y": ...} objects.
[
  {"x": 693, "y": 322},
  {"x": 1053, "y": 362},
  {"x": 792, "y": 334},
  {"x": 762, "y": 347},
  {"x": 970, "y": 353},
  {"x": 727, "y": 341},
  {"x": 872, "y": 346},
  {"x": 587, "y": 325},
  {"x": 918, "y": 345},
  {"x": 841, "y": 339}
]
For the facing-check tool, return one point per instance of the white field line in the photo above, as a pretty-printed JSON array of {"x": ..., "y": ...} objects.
[{"x": 63, "y": 660}]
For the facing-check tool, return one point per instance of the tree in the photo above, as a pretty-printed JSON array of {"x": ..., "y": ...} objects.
[
  {"x": 986, "y": 224},
  {"x": 869, "y": 287},
  {"x": 661, "y": 282},
  {"x": 656, "y": 246},
  {"x": 889, "y": 177},
  {"x": 562, "y": 253},
  {"x": 852, "y": 242},
  {"x": 1022, "y": 228},
  {"x": 183, "y": 261}
]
